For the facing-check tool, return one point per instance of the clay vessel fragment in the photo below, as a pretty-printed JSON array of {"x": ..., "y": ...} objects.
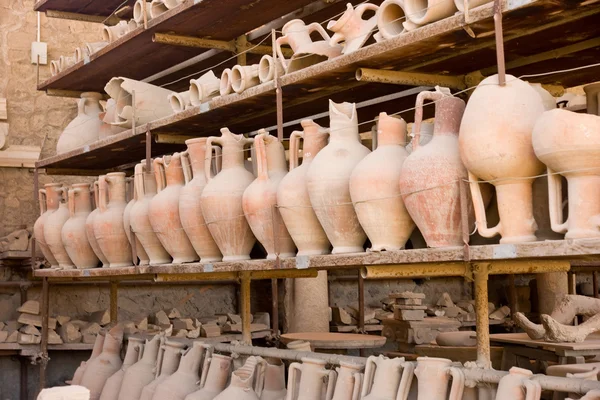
[
  {"x": 73, "y": 233},
  {"x": 244, "y": 77},
  {"x": 49, "y": 198},
  {"x": 517, "y": 385},
  {"x": 108, "y": 117},
  {"x": 351, "y": 28},
  {"x": 179, "y": 101},
  {"x": 268, "y": 68},
  {"x": 274, "y": 388},
  {"x": 592, "y": 94},
  {"x": 53, "y": 229},
  {"x": 157, "y": 7},
  {"x": 138, "y": 11},
  {"x": 142, "y": 372},
  {"x": 95, "y": 47},
  {"x": 112, "y": 387},
  {"x": 105, "y": 365},
  {"x": 131, "y": 236},
  {"x": 247, "y": 382},
  {"x": 96, "y": 351},
  {"x": 167, "y": 363},
  {"x": 422, "y": 12},
  {"x": 308, "y": 381},
  {"x": 214, "y": 379},
  {"x": 387, "y": 379},
  {"x": 391, "y": 19},
  {"x": 85, "y": 128},
  {"x": 89, "y": 227},
  {"x": 225, "y": 84},
  {"x": 170, "y": 4},
  {"x": 112, "y": 33},
  {"x": 204, "y": 88},
  {"x": 433, "y": 375}
]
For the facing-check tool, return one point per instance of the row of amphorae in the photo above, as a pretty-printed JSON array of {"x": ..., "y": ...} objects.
[{"x": 342, "y": 193}]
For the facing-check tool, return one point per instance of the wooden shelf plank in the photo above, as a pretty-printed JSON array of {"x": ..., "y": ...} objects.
[{"x": 88, "y": 7}]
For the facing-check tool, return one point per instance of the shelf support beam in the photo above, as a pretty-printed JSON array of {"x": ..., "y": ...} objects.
[
  {"x": 481, "y": 309},
  {"x": 69, "y": 93},
  {"x": 416, "y": 78},
  {"x": 114, "y": 301},
  {"x": 44, "y": 345},
  {"x": 245, "y": 311},
  {"x": 111, "y": 20}
]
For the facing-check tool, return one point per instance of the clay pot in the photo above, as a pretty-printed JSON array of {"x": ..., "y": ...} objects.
[
  {"x": 274, "y": 388},
  {"x": 190, "y": 208},
  {"x": 566, "y": 142},
  {"x": 348, "y": 383},
  {"x": 112, "y": 33},
  {"x": 108, "y": 223},
  {"x": 73, "y": 233},
  {"x": 89, "y": 227},
  {"x": 204, "y": 88},
  {"x": 164, "y": 209},
  {"x": 391, "y": 19},
  {"x": 311, "y": 383},
  {"x": 112, "y": 387},
  {"x": 495, "y": 145},
  {"x": 131, "y": 236},
  {"x": 225, "y": 87},
  {"x": 592, "y": 94},
  {"x": 49, "y": 197},
  {"x": 457, "y": 339},
  {"x": 351, "y": 28},
  {"x": 244, "y": 77},
  {"x": 52, "y": 232},
  {"x": 145, "y": 187},
  {"x": 105, "y": 365},
  {"x": 96, "y": 351},
  {"x": 433, "y": 375},
  {"x": 247, "y": 382},
  {"x": 214, "y": 378},
  {"x": 259, "y": 201},
  {"x": 168, "y": 362},
  {"x": 431, "y": 175},
  {"x": 518, "y": 386},
  {"x": 422, "y": 12},
  {"x": 387, "y": 379},
  {"x": 180, "y": 101},
  {"x": 142, "y": 372},
  {"x": 460, "y": 4},
  {"x": 138, "y": 11},
  {"x": 85, "y": 128},
  {"x": 268, "y": 67},
  {"x": 221, "y": 199},
  {"x": 328, "y": 178},
  {"x": 375, "y": 190}
]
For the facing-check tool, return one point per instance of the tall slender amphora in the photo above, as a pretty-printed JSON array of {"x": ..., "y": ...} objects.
[
  {"x": 517, "y": 385},
  {"x": 96, "y": 351},
  {"x": 142, "y": 372},
  {"x": 432, "y": 174},
  {"x": 49, "y": 197},
  {"x": 164, "y": 209},
  {"x": 274, "y": 380},
  {"x": 168, "y": 362},
  {"x": 375, "y": 188},
  {"x": 131, "y": 236},
  {"x": 53, "y": 231},
  {"x": 433, "y": 375},
  {"x": 328, "y": 180},
  {"x": 247, "y": 382},
  {"x": 348, "y": 382},
  {"x": 260, "y": 198},
  {"x": 105, "y": 365},
  {"x": 73, "y": 233},
  {"x": 221, "y": 199},
  {"x": 311, "y": 382},
  {"x": 112, "y": 387},
  {"x": 190, "y": 209},
  {"x": 387, "y": 379},
  {"x": 214, "y": 378},
  {"x": 89, "y": 226},
  {"x": 496, "y": 146}
]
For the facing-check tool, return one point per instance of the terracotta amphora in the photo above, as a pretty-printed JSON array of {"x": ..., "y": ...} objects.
[
  {"x": 433, "y": 375},
  {"x": 164, "y": 209},
  {"x": 495, "y": 145},
  {"x": 259, "y": 201},
  {"x": 85, "y": 128},
  {"x": 186, "y": 379},
  {"x": 49, "y": 198},
  {"x": 351, "y": 28},
  {"x": 221, "y": 199},
  {"x": 204, "y": 88},
  {"x": 419, "y": 12},
  {"x": 348, "y": 383},
  {"x": 518, "y": 386},
  {"x": 214, "y": 378},
  {"x": 244, "y": 77},
  {"x": 375, "y": 189},
  {"x": 268, "y": 68},
  {"x": 190, "y": 209},
  {"x": 142, "y": 372},
  {"x": 89, "y": 227},
  {"x": 135, "y": 347},
  {"x": 328, "y": 178},
  {"x": 108, "y": 223},
  {"x": 432, "y": 174},
  {"x": 53, "y": 229},
  {"x": 312, "y": 383},
  {"x": 247, "y": 382},
  {"x": 567, "y": 143},
  {"x": 274, "y": 380},
  {"x": 132, "y": 237},
  {"x": 168, "y": 362},
  {"x": 592, "y": 95},
  {"x": 96, "y": 351},
  {"x": 391, "y": 20},
  {"x": 73, "y": 233},
  {"x": 387, "y": 379},
  {"x": 145, "y": 188},
  {"x": 105, "y": 365}
]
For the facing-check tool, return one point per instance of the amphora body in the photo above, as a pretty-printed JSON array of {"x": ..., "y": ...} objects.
[
  {"x": 85, "y": 128},
  {"x": 387, "y": 379},
  {"x": 247, "y": 382},
  {"x": 214, "y": 378},
  {"x": 312, "y": 383},
  {"x": 112, "y": 387},
  {"x": 142, "y": 372},
  {"x": 53, "y": 232},
  {"x": 49, "y": 198},
  {"x": 433, "y": 375},
  {"x": 73, "y": 233},
  {"x": 518, "y": 386},
  {"x": 89, "y": 227},
  {"x": 105, "y": 365},
  {"x": 96, "y": 351},
  {"x": 168, "y": 362}
]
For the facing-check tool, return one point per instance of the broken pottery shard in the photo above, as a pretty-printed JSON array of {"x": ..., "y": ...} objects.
[
  {"x": 262, "y": 318},
  {"x": 3, "y": 336},
  {"x": 407, "y": 295},
  {"x": 24, "y": 338},
  {"x": 70, "y": 333},
  {"x": 210, "y": 330},
  {"x": 92, "y": 329},
  {"x": 491, "y": 308},
  {"x": 100, "y": 317},
  {"x": 62, "y": 319},
  {"x": 36, "y": 320},
  {"x": 180, "y": 332},
  {"x": 161, "y": 318},
  {"x": 12, "y": 337},
  {"x": 341, "y": 316},
  {"x": 194, "y": 333},
  {"x": 169, "y": 331},
  {"x": 30, "y": 330},
  {"x": 500, "y": 313},
  {"x": 173, "y": 313},
  {"x": 467, "y": 305},
  {"x": 142, "y": 324},
  {"x": 53, "y": 337},
  {"x": 234, "y": 318},
  {"x": 30, "y": 307},
  {"x": 88, "y": 338},
  {"x": 409, "y": 315},
  {"x": 445, "y": 300},
  {"x": 179, "y": 324}
]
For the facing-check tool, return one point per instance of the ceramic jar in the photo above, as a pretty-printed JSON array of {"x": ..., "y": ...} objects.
[
  {"x": 495, "y": 145},
  {"x": 244, "y": 77},
  {"x": 111, "y": 389},
  {"x": 108, "y": 223},
  {"x": 131, "y": 236},
  {"x": 348, "y": 382},
  {"x": 85, "y": 128},
  {"x": 432, "y": 174},
  {"x": 387, "y": 379},
  {"x": 259, "y": 201},
  {"x": 190, "y": 208},
  {"x": 221, "y": 199},
  {"x": 204, "y": 88},
  {"x": 247, "y": 382},
  {"x": 214, "y": 378},
  {"x": 168, "y": 362},
  {"x": 96, "y": 351},
  {"x": 433, "y": 375},
  {"x": 49, "y": 198},
  {"x": 274, "y": 388},
  {"x": 421, "y": 12},
  {"x": 311, "y": 383},
  {"x": 108, "y": 117},
  {"x": 225, "y": 87},
  {"x": 392, "y": 20},
  {"x": 269, "y": 68},
  {"x": 142, "y": 372},
  {"x": 518, "y": 386},
  {"x": 73, "y": 233},
  {"x": 351, "y": 28},
  {"x": 89, "y": 227},
  {"x": 592, "y": 95},
  {"x": 105, "y": 365},
  {"x": 164, "y": 209},
  {"x": 53, "y": 232},
  {"x": 328, "y": 178},
  {"x": 375, "y": 189}
]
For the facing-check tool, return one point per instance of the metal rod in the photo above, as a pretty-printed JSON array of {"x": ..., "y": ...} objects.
[
  {"x": 512, "y": 295},
  {"x": 409, "y": 78},
  {"x": 36, "y": 193},
  {"x": 275, "y": 306},
  {"x": 499, "y": 42},
  {"x": 76, "y": 94},
  {"x": 114, "y": 301},
  {"x": 245, "y": 307},
  {"x": 44, "y": 344},
  {"x": 148, "y": 152},
  {"x": 361, "y": 303},
  {"x": 481, "y": 309},
  {"x": 82, "y": 17},
  {"x": 595, "y": 283}
]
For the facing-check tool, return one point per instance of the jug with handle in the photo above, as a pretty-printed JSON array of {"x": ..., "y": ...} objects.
[
  {"x": 73, "y": 233},
  {"x": 168, "y": 362},
  {"x": 49, "y": 197},
  {"x": 518, "y": 386},
  {"x": 53, "y": 229},
  {"x": 387, "y": 378},
  {"x": 433, "y": 375},
  {"x": 311, "y": 384},
  {"x": 348, "y": 383},
  {"x": 214, "y": 378},
  {"x": 247, "y": 382},
  {"x": 89, "y": 226}
]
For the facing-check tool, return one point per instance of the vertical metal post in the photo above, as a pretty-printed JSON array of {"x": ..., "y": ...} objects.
[
  {"x": 278, "y": 92},
  {"x": 481, "y": 308},
  {"x": 44, "y": 344},
  {"x": 36, "y": 194},
  {"x": 241, "y": 44},
  {"x": 114, "y": 301},
  {"x": 275, "y": 306},
  {"x": 148, "y": 152},
  {"x": 361, "y": 303},
  {"x": 595, "y": 283},
  {"x": 513, "y": 303},
  {"x": 499, "y": 42},
  {"x": 245, "y": 307},
  {"x": 23, "y": 378}
]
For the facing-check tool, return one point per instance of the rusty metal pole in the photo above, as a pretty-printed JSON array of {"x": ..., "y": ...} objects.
[
  {"x": 36, "y": 194},
  {"x": 361, "y": 303},
  {"x": 275, "y": 306},
  {"x": 595, "y": 283},
  {"x": 499, "y": 42},
  {"x": 278, "y": 93},
  {"x": 44, "y": 345},
  {"x": 114, "y": 301},
  {"x": 245, "y": 307},
  {"x": 23, "y": 378},
  {"x": 481, "y": 308}
]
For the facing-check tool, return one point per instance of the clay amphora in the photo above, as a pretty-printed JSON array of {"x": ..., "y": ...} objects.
[
  {"x": 96, "y": 351},
  {"x": 431, "y": 175},
  {"x": 145, "y": 187},
  {"x": 73, "y": 233},
  {"x": 328, "y": 180},
  {"x": 375, "y": 190},
  {"x": 180, "y": 101},
  {"x": 299, "y": 345},
  {"x": 49, "y": 197},
  {"x": 214, "y": 378},
  {"x": 186, "y": 379},
  {"x": 433, "y": 375},
  {"x": 168, "y": 362},
  {"x": 296, "y": 34},
  {"x": 108, "y": 117},
  {"x": 85, "y": 128},
  {"x": 52, "y": 232},
  {"x": 225, "y": 87},
  {"x": 244, "y": 77},
  {"x": 420, "y": 12},
  {"x": 142, "y": 372},
  {"x": 495, "y": 145},
  {"x": 274, "y": 380},
  {"x": 392, "y": 20},
  {"x": 518, "y": 386},
  {"x": 190, "y": 209},
  {"x": 260, "y": 198},
  {"x": 311, "y": 383},
  {"x": 221, "y": 199},
  {"x": 387, "y": 379},
  {"x": 292, "y": 195},
  {"x": 204, "y": 88},
  {"x": 351, "y": 28},
  {"x": 132, "y": 237},
  {"x": 112, "y": 387},
  {"x": 105, "y": 365},
  {"x": 108, "y": 223},
  {"x": 164, "y": 209},
  {"x": 138, "y": 11},
  {"x": 268, "y": 68},
  {"x": 89, "y": 227},
  {"x": 567, "y": 143},
  {"x": 592, "y": 95},
  {"x": 247, "y": 382},
  {"x": 157, "y": 7},
  {"x": 112, "y": 33},
  {"x": 348, "y": 383}
]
